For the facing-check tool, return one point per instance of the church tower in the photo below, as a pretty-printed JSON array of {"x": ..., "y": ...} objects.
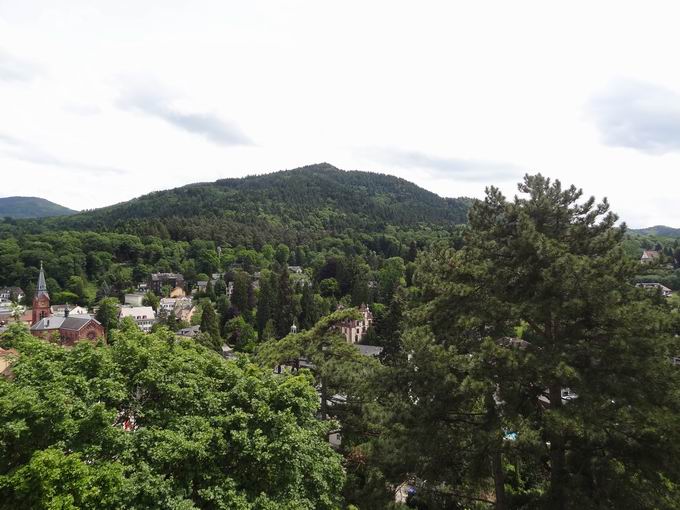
[{"x": 41, "y": 300}]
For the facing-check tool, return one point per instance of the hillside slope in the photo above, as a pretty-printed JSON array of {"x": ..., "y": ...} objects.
[
  {"x": 289, "y": 206},
  {"x": 658, "y": 230},
  {"x": 31, "y": 207}
]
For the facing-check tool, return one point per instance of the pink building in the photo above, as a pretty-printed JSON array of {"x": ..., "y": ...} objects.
[{"x": 354, "y": 330}]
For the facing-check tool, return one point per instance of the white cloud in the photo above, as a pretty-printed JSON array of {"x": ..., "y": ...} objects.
[
  {"x": 14, "y": 69},
  {"x": 638, "y": 115},
  {"x": 154, "y": 102},
  {"x": 451, "y": 95},
  {"x": 22, "y": 150},
  {"x": 439, "y": 167}
]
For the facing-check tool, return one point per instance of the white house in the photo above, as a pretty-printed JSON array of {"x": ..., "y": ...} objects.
[
  {"x": 168, "y": 304},
  {"x": 144, "y": 316},
  {"x": 665, "y": 291},
  {"x": 11, "y": 293},
  {"x": 76, "y": 311},
  {"x": 649, "y": 256}
]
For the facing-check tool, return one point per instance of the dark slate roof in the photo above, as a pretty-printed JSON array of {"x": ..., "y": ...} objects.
[
  {"x": 48, "y": 323},
  {"x": 166, "y": 276},
  {"x": 514, "y": 343},
  {"x": 74, "y": 323},
  {"x": 369, "y": 350},
  {"x": 41, "y": 290},
  {"x": 15, "y": 290},
  {"x": 190, "y": 331}
]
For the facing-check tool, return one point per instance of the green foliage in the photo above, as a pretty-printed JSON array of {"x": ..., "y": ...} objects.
[
  {"x": 150, "y": 299},
  {"x": 309, "y": 312},
  {"x": 284, "y": 207},
  {"x": 282, "y": 254},
  {"x": 283, "y": 313},
  {"x": 329, "y": 287},
  {"x": 107, "y": 314},
  {"x": 391, "y": 276},
  {"x": 552, "y": 264},
  {"x": 209, "y": 324},
  {"x": 240, "y": 334},
  {"x": 207, "y": 433},
  {"x": 239, "y": 297}
]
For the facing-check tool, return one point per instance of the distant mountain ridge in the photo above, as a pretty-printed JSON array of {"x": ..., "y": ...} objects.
[
  {"x": 290, "y": 205},
  {"x": 658, "y": 230},
  {"x": 31, "y": 207}
]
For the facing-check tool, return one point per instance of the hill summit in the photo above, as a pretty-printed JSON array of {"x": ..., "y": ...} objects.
[
  {"x": 289, "y": 205},
  {"x": 31, "y": 207}
]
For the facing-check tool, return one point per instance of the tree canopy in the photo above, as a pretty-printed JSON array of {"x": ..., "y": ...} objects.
[{"x": 151, "y": 422}]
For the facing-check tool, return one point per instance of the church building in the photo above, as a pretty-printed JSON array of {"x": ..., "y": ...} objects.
[{"x": 66, "y": 329}]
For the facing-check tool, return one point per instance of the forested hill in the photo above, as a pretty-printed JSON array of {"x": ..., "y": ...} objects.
[
  {"x": 658, "y": 230},
  {"x": 31, "y": 207},
  {"x": 287, "y": 206}
]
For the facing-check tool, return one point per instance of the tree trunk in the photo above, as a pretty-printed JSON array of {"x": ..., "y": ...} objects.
[
  {"x": 557, "y": 454},
  {"x": 324, "y": 404},
  {"x": 498, "y": 478},
  {"x": 493, "y": 426}
]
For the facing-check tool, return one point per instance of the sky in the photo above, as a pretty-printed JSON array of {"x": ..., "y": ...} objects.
[{"x": 104, "y": 101}]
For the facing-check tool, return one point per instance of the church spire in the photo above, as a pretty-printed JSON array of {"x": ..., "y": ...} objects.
[{"x": 42, "y": 286}]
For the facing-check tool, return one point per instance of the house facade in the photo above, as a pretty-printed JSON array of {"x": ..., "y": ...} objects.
[
  {"x": 64, "y": 328},
  {"x": 665, "y": 291},
  {"x": 354, "y": 330},
  {"x": 144, "y": 316},
  {"x": 68, "y": 330},
  {"x": 11, "y": 294},
  {"x": 61, "y": 310},
  {"x": 649, "y": 256},
  {"x": 160, "y": 280}
]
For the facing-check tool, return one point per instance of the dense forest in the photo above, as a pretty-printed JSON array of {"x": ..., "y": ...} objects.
[
  {"x": 519, "y": 365},
  {"x": 293, "y": 207}
]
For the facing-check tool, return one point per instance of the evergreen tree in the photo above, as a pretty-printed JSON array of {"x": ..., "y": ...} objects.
[
  {"x": 561, "y": 404},
  {"x": 239, "y": 297},
  {"x": 222, "y": 308},
  {"x": 412, "y": 252},
  {"x": 209, "y": 322},
  {"x": 240, "y": 334},
  {"x": 220, "y": 288},
  {"x": 107, "y": 314},
  {"x": 282, "y": 255},
  {"x": 269, "y": 332},
  {"x": 172, "y": 322},
  {"x": 210, "y": 291},
  {"x": 265, "y": 303},
  {"x": 283, "y": 313},
  {"x": 309, "y": 312}
]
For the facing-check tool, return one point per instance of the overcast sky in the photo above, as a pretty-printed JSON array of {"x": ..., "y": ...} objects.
[{"x": 104, "y": 101}]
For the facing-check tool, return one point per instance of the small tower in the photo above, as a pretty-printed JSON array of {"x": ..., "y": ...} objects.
[
  {"x": 41, "y": 300},
  {"x": 293, "y": 328}
]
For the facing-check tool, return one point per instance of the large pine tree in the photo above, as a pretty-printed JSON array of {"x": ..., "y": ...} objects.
[
  {"x": 283, "y": 313},
  {"x": 582, "y": 411}
]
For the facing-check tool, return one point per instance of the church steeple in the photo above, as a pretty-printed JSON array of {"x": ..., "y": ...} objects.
[
  {"x": 41, "y": 300},
  {"x": 42, "y": 285}
]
